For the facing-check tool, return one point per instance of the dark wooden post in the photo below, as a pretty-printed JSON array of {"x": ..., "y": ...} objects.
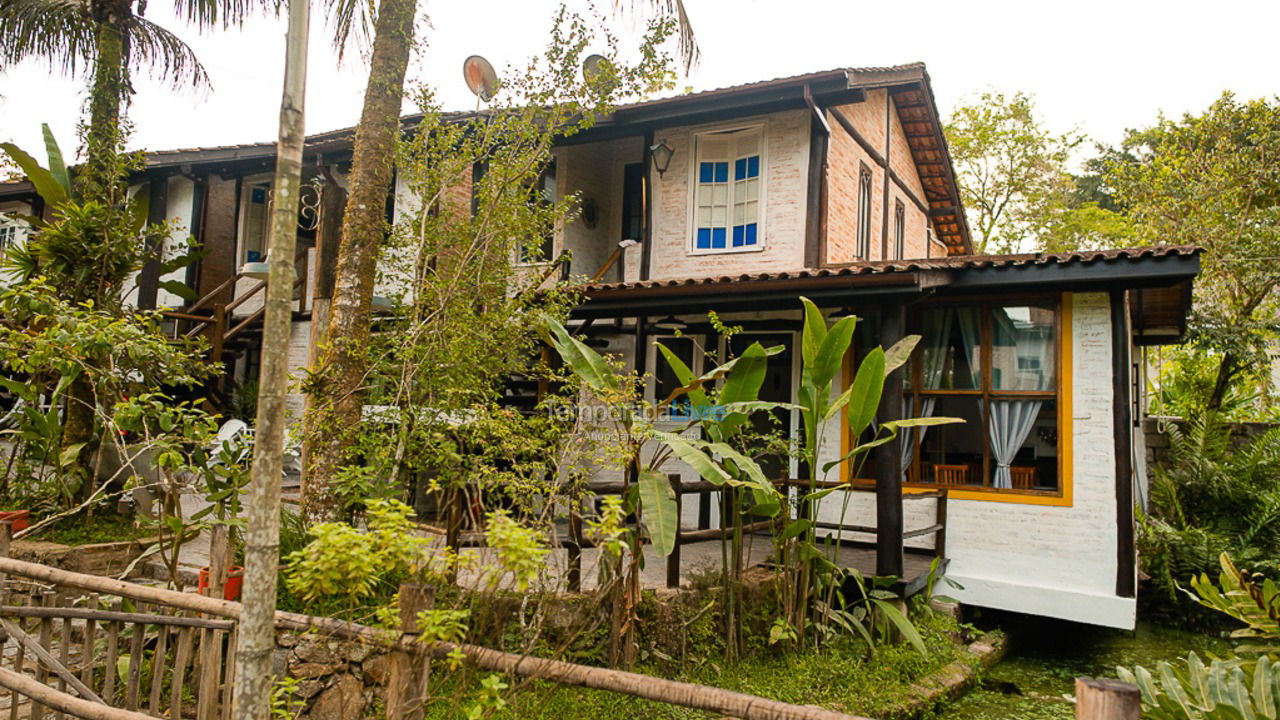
[
  {"x": 6, "y": 536},
  {"x": 453, "y": 524},
  {"x": 940, "y": 519},
  {"x": 1107, "y": 700},
  {"x": 408, "y": 672},
  {"x": 673, "y": 560},
  {"x": 893, "y": 320}
]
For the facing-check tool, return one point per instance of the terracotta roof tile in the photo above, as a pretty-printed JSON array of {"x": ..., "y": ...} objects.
[{"x": 953, "y": 262}]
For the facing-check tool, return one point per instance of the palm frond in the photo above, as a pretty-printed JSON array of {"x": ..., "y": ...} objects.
[
  {"x": 213, "y": 14},
  {"x": 687, "y": 41},
  {"x": 168, "y": 57},
  {"x": 59, "y": 31},
  {"x": 351, "y": 17}
]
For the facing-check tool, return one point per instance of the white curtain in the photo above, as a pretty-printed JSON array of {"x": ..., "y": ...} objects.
[
  {"x": 937, "y": 337},
  {"x": 1011, "y": 421}
]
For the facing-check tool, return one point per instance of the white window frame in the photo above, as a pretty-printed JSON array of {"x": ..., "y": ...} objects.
[{"x": 762, "y": 198}]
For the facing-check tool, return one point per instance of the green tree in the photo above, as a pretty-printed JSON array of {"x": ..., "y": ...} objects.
[
  {"x": 1015, "y": 183},
  {"x": 107, "y": 40},
  {"x": 342, "y": 361},
  {"x": 1213, "y": 179}
]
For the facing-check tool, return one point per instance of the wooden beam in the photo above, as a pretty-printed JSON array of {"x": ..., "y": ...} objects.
[
  {"x": 815, "y": 209},
  {"x": 1122, "y": 420},
  {"x": 23, "y": 639},
  {"x": 866, "y": 146}
]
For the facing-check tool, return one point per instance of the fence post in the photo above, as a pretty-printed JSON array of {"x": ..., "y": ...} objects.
[
  {"x": 1107, "y": 700},
  {"x": 6, "y": 536},
  {"x": 940, "y": 519},
  {"x": 408, "y": 672}
]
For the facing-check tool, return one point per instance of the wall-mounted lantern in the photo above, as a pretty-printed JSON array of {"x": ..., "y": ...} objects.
[{"x": 661, "y": 153}]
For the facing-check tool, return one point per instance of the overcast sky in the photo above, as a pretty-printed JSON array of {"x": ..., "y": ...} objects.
[{"x": 1097, "y": 65}]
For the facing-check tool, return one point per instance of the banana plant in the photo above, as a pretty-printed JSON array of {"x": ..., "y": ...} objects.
[
  {"x": 1230, "y": 689},
  {"x": 714, "y": 459},
  {"x": 54, "y": 184}
]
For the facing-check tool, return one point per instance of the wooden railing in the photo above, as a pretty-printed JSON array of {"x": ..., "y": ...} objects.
[
  {"x": 68, "y": 657},
  {"x": 574, "y": 541},
  {"x": 216, "y": 325}
]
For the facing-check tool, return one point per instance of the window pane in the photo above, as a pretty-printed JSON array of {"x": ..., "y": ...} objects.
[
  {"x": 951, "y": 354},
  {"x": 1022, "y": 348},
  {"x": 1024, "y": 444},
  {"x": 951, "y": 454}
]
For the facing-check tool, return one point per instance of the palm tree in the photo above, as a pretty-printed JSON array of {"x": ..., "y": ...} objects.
[
  {"x": 107, "y": 40},
  {"x": 338, "y": 399}
]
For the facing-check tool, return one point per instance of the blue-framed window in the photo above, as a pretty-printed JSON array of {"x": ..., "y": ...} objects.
[{"x": 727, "y": 199}]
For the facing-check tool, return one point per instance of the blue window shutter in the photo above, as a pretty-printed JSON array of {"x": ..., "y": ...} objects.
[
  {"x": 704, "y": 238},
  {"x": 717, "y": 238},
  {"x": 705, "y": 172},
  {"x": 750, "y": 233},
  {"x": 753, "y": 166},
  {"x": 740, "y": 169},
  {"x": 737, "y": 236},
  {"x": 722, "y": 172}
]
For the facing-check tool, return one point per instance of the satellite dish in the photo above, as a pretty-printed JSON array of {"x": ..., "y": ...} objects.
[
  {"x": 592, "y": 66},
  {"x": 480, "y": 77}
]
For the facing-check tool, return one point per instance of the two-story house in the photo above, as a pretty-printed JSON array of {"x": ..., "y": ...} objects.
[{"x": 836, "y": 186}]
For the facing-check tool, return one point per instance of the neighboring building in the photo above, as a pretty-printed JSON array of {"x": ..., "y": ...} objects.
[{"x": 836, "y": 186}]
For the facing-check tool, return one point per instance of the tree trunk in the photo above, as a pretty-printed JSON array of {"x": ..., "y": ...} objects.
[
  {"x": 101, "y": 143},
  {"x": 338, "y": 397},
  {"x": 103, "y": 137},
  {"x": 1226, "y": 371},
  {"x": 253, "y": 660}
]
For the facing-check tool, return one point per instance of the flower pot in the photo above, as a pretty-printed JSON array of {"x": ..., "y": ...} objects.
[
  {"x": 19, "y": 518},
  {"x": 231, "y": 591}
]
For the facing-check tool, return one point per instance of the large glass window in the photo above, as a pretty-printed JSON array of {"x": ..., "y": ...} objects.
[
  {"x": 994, "y": 366},
  {"x": 727, "y": 205}
]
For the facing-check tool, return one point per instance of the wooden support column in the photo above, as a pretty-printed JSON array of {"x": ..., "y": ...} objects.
[
  {"x": 893, "y": 320},
  {"x": 1126, "y": 550},
  {"x": 673, "y": 560},
  {"x": 408, "y": 672},
  {"x": 888, "y": 170},
  {"x": 815, "y": 224}
]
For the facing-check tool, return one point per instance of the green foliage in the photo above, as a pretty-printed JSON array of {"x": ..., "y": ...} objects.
[
  {"x": 343, "y": 562},
  {"x": 1212, "y": 494},
  {"x": 1246, "y": 685},
  {"x": 1017, "y": 191},
  {"x": 521, "y": 551},
  {"x": 1186, "y": 377},
  {"x": 1210, "y": 179}
]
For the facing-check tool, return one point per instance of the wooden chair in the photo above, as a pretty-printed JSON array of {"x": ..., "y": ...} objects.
[
  {"x": 1024, "y": 477},
  {"x": 951, "y": 474}
]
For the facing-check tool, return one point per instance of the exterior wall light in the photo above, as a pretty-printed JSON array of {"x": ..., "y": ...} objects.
[{"x": 661, "y": 153}]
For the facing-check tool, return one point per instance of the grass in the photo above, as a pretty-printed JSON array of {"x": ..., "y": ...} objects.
[
  {"x": 839, "y": 677},
  {"x": 101, "y": 528}
]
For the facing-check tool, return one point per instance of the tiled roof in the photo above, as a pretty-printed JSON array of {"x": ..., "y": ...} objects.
[{"x": 953, "y": 262}]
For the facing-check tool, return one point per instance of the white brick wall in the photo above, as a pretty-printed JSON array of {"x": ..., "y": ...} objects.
[{"x": 786, "y": 186}]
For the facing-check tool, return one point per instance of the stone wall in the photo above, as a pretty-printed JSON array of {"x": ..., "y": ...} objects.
[
  {"x": 339, "y": 680},
  {"x": 1156, "y": 436}
]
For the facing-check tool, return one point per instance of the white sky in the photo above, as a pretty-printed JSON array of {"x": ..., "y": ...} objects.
[{"x": 1097, "y": 65}]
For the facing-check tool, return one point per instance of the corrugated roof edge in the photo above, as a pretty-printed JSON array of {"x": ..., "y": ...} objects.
[
  {"x": 954, "y": 262},
  {"x": 887, "y": 75}
]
